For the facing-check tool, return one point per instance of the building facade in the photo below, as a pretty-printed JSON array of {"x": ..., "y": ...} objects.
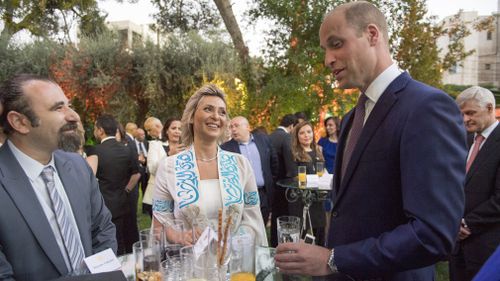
[{"x": 483, "y": 66}]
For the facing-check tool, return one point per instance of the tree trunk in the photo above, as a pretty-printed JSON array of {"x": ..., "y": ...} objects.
[{"x": 226, "y": 12}]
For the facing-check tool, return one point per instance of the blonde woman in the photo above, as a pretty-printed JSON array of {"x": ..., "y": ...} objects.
[{"x": 195, "y": 183}]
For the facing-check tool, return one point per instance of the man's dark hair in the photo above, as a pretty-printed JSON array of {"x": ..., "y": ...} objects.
[
  {"x": 108, "y": 123},
  {"x": 301, "y": 115},
  {"x": 13, "y": 98},
  {"x": 288, "y": 120}
]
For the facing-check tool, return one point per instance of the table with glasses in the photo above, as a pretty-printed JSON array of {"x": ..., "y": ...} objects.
[
  {"x": 154, "y": 260},
  {"x": 307, "y": 193}
]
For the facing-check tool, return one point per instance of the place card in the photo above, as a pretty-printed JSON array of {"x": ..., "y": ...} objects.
[
  {"x": 312, "y": 181},
  {"x": 103, "y": 261},
  {"x": 205, "y": 238}
]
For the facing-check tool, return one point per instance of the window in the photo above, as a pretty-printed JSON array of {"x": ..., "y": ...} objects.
[
  {"x": 489, "y": 34},
  {"x": 453, "y": 69},
  {"x": 487, "y": 66}
]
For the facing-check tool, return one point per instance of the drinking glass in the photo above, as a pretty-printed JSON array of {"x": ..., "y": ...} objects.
[
  {"x": 302, "y": 176},
  {"x": 265, "y": 267},
  {"x": 320, "y": 168},
  {"x": 147, "y": 260},
  {"x": 175, "y": 232},
  {"x": 198, "y": 225},
  {"x": 288, "y": 229},
  {"x": 187, "y": 259},
  {"x": 172, "y": 269},
  {"x": 242, "y": 262},
  {"x": 173, "y": 250}
]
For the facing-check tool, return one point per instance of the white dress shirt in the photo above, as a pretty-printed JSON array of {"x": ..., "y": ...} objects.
[
  {"x": 33, "y": 170},
  {"x": 378, "y": 86}
]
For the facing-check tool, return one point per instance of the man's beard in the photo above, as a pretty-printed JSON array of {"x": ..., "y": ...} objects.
[{"x": 69, "y": 141}]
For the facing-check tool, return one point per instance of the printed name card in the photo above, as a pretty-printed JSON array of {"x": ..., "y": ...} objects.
[
  {"x": 205, "y": 238},
  {"x": 103, "y": 261},
  {"x": 312, "y": 181}
]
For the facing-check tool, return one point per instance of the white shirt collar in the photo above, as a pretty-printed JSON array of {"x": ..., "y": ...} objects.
[
  {"x": 31, "y": 167},
  {"x": 107, "y": 138},
  {"x": 378, "y": 86},
  {"x": 283, "y": 128},
  {"x": 487, "y": 132}
]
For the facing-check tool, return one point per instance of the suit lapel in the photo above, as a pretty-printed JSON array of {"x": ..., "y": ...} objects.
[
  {"x": 74, "y": 192},
  {"x": 344, "y": 132},
  {"x": 375, "y": 119},
  {"x": 236, "y": 146},
  {"x": 489, "y": 149},
  {"x": 18, "y": 186}
]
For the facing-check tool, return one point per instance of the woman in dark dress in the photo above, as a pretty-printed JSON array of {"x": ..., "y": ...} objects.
[{"x": 307, "y": 153}]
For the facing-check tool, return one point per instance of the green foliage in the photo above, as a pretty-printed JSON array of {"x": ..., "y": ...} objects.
[
  {"x": 42, "y": 18},
  {"x": 414, "y": 40},
  {"x": 183, "y": 16},
  {"x": 33, "y": 58},
  {"x": 296, "y": 79}
]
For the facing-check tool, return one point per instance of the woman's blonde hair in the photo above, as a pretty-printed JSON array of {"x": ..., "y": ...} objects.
[
  {"x": 187, "y": 135},
  {"x": 299, "y": 154}
]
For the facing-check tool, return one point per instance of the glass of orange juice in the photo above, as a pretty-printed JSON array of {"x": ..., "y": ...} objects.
[
  {"x": 320, "y": 168},
  {"x": 302, "y": 176}
]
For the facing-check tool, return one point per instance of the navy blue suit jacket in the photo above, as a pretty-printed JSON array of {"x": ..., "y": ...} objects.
[
  {"x": 398, "y": 208},
  {"x": 268, "y": 160}
]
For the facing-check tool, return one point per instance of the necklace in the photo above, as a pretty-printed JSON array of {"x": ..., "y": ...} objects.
[{"x": 207, "y": 160}]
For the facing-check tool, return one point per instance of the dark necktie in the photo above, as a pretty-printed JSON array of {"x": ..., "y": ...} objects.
[
  {"x": 68, "y": 232},
  {"x": 475, "y": 150},
  {"x": 356, "y": 128}
]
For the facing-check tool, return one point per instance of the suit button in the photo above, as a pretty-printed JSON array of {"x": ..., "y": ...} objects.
[{"x": 334, "y": 214}]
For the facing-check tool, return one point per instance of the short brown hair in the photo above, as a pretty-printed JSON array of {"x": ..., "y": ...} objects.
[{"x": 360, "y": 14}]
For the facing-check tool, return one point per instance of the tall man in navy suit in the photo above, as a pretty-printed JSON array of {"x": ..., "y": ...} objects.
[
  {"x": 479, "y": 233},
  {"x": 118, "y": 174},
  {"x": 257, "y": 148},
  {"x": 400, "y": 168},
  {"x": 282, "y": 144},
  {"x": 51, "y": 205}
]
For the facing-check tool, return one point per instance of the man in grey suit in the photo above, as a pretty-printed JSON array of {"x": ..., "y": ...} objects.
[{"x": 53, "y": 214}]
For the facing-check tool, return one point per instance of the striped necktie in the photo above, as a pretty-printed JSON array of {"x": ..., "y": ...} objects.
[{"x": 73, "y": 247}]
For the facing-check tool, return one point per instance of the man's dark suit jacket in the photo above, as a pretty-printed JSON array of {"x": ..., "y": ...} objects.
[
  {"x": 28, "y": 248},
  {"x": 482, "y": 202},
  {"x": 130, "y": 141},
  {"x": 117, "y": 163},
  {"x": 268, "y": 160},
  {"x": 282, "y": 143},
  {"x": 398, "y": 208}
]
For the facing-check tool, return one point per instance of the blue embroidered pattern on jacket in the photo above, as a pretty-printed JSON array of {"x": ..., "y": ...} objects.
[
  {"x": 186, "y": 179},
  {"x": 251, "y": 198},
  {"x": 163, "y": 206},
  {"x": 230, "y": 179}
]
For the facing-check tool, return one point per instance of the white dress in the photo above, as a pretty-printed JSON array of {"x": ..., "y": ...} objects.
[
  {"x": 156, "y": 152},
  {"x": 179, "y": 194}
]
